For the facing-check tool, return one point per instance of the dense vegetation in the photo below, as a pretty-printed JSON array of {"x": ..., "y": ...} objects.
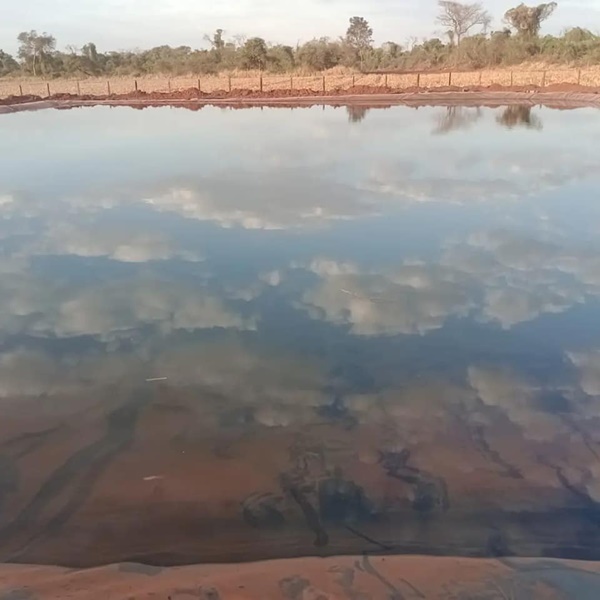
[{"x": 467, "y": 43}]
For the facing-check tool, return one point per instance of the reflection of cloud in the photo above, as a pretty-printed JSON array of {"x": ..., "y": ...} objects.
[
  {"x": 515, "y": 398},
  {"x": 496, "y": 276},
  {"x": 588, "y": 364},
  {"x": 386, "y": 179},
  {"x": 271, "y": 200},
  {"x": 125, "y": 244},
  {"x": 521, "y": 278},
  {"x": 410, "y": 299},
  {"x": 44, "y": 308},
  {"x": 511, "y": 306}
]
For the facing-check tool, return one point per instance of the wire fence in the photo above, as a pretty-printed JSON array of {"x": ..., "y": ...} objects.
[{"x": 315, "y": 83}]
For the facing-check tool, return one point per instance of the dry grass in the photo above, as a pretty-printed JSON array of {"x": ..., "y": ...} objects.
[{"x": 335, "y": 79}]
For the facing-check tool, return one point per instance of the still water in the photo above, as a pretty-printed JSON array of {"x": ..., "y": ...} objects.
[{"x": 237, "y": 334}]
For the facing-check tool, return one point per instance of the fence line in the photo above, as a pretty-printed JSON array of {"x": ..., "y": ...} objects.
[{"x": 314, "y": 83}]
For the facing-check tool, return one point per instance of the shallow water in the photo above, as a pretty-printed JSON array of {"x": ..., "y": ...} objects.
[{"x": 236, "y": 334}]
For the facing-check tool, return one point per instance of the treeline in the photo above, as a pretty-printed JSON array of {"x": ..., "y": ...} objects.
[{"x": 467, "y": 42}]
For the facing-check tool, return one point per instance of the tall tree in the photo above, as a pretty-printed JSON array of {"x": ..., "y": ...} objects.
[
  {"x": 35, "y": 49},
  {"x": 359, "y": 37},
  {"x": 527, "y": 20},
  {"x": 460, "y": 18},
  {"x": 254, "y": 53}
]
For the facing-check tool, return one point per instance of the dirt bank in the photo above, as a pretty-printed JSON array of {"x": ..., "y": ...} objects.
[{"x": 556, "y": 95}]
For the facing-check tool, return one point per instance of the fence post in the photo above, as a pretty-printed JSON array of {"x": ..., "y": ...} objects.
[
  {"x": 544, "y": 79},
  {"x": 323, "y": 83},
  {"x": 353, "y": 80},
  {"x": 21, "y": 89},
  {"x": 108, "y": 87},
  {"x": 418, "y": 79},
  {"x": 48, "y": 88},
  {"x": 78, "y": 88},
  {"x": 135, "y": 85},
  {"x": 198, "y": 83},
  {"x": 291, "y": 82},
  {"x": 449, "y": 78},
  {"x": 579, "y": 77},
  {"x": 229, "y": 82},
  {"x": 260, "y": 83},
  {"x": 169, "y": 85}
]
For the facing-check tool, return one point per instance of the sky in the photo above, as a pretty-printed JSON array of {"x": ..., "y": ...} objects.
[{"x": 130, "y": 24}]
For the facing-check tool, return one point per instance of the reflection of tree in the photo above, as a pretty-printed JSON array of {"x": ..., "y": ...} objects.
[
  {"x": 356, "y": 113},
  {"x": 457, "y": 117},
  {"x": 519, "y": 116}
]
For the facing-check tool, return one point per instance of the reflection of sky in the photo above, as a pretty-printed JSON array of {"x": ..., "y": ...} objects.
[{"x": 411, "y": 242}]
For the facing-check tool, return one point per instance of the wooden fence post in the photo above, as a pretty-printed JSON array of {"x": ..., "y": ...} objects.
[
  {"x": 418, "y": 79},
  {"x": 449, "y": 78},
  {"x": 579, "y": 77},
  {"x": 544, "y": 79},
  {"x": 48, "y": 88},
  {"x": 260, "y": 83},
  {"x": 108, "y": 87},
  {"x": 291, "y": 82},
  {"x": 78, "y": 88},
  {"x": 21, "y": 89},
  {"x": 135, "y": 85},
  {"x": 229, "y": 82},
  {"x": 353, "y": 80},
  {"x": 198, "y": 83},
  {"x": 323, "y": 83},
  {"x": 169, "y": 85}
]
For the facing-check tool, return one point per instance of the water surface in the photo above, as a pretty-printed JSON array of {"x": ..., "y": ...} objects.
[{"x": 234, "y": 334}]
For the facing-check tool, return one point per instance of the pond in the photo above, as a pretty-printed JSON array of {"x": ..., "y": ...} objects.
[{"x": 228, "y": 335}]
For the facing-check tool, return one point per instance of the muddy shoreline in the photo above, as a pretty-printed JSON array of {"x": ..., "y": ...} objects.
[
  {"x": 360, "y": 577},
  {"x": 559, "y": 96}
]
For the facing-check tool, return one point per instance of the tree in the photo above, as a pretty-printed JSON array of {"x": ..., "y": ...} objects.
[
  {"x": 280, "y": 58},
  {"x": 527, "y": 20},
  {"x": 461, "y": 18},
  {"x": 254, "y": 54},
  {"x": 359, "y": 37},
  {"x": 35, "y": 49},
  {"x": 319, "y": 54},
  {"x": 7, "y": 63}
]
